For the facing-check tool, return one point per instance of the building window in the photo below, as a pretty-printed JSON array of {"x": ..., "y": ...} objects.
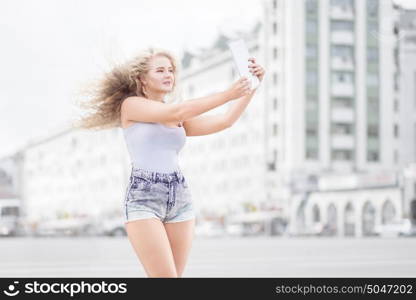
[
  {"x": 311, "y": 153},
  {"x": 275, "y": 53},
  {"x": 311, "y": 77},
  {"x": 396, "y": 105},
  {"x": 312, "y": 80},
  {"x": 372, "y": 79},
  {"x": 342, "y": 77},
  {"x": 311, "y": 130},
  {"x": 372, "y": 130},
  {"x": 396, "y": 81},
  {"x": 337, "y": 25},
  {"x": 275, "y": 129},
  {"x": 373, "y": 106},
  {"x": 343, "y": 52},
  {"x": 372, "y": 54},
  {"x": 274, "y": 4},
  {"x": 396, "y": 131},
  {"x": 311, "y": 26},
  {"x": 342, "y": 128},
  {"x": 372, "y": 155},
  {"x": 342, "y": 102},
  {"x": 311, "y": 6},
  {"x": 372, "y": 8},
  {"x": 316, "y": 216},
  {"x": 414, "y": 90},
  {"x": 275, "y": 78},
  {"x": 274, "y": 28},
  {"x": 311, "y": 51},
  {"x": 372, "y": 27},
  {"x": 275, "y": 103},
  {"x": 345, "y": 5},
  {"x": 342, "y": 154},
  {"x": 311, "y": 104}
]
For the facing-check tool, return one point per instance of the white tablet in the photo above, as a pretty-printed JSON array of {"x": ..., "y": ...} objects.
[{"x": 241, "y": 55}]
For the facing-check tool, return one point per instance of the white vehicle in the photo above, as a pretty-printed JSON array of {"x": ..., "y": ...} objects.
[
  {"x": 113, "y": 226},
  {"x": 65, "y": 227},
  {"x": 235, "y": 230},
  {"x": 394, "y": 229},
  {"x": 9, "y": 217}
]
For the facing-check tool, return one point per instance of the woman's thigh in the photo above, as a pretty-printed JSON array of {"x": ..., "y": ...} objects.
[
  {"x": 151, "y": 244},
  {"x": 180, "y": 235}
]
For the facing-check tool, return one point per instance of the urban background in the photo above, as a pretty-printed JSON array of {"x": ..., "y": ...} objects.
[{"x": 327, "y": 147}]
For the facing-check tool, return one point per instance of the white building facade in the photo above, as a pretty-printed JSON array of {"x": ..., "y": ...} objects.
[
  {"x": 407, "y": 84},
  {"x": 332, "y": 98},
  {"x": 333, "y": 81},
  {"x": 407, "y": 105},
  {"x": 75, "y": 173}
]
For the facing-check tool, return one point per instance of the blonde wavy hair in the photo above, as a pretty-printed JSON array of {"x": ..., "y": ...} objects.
[{"x": 103, "y": 97}]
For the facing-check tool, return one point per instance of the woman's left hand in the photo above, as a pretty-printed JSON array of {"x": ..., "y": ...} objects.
[{"x": 256, "y": 69}]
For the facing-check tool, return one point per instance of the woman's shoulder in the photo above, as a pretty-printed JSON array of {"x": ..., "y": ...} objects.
[
  {"x": 124, "y": 104},
  {"x": 132, "y": 98}
]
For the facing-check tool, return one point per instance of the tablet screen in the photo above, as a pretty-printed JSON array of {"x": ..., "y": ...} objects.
[{"x": 241, "y": 55}]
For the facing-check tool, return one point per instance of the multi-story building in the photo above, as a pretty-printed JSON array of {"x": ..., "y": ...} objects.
[
  {"x": 332, "y": 81},
  {"x": 406, "y": 105},
  {"x": 332, "y": 95},
  {"x": 74, "y": 173},
  {"x": 407, "y": 83},
  {"x": 10, "y": 176}
]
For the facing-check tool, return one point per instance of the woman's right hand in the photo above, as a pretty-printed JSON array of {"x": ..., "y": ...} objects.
[{"x": 239, "y": 88}]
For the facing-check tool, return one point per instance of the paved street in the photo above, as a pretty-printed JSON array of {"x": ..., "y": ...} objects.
[{"x": 219, "y": 257}]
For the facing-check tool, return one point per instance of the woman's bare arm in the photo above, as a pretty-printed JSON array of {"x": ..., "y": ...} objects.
[
  {"x": 236, "y": 109},
  {"x": 195, "y": 107},
  {"x": 140, "y": 109},
  {"x": 208, "y": 124},
  {"x": 240, "y": 105}
]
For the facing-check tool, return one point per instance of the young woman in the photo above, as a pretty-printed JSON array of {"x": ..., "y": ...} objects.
[{"x": 158, "y": 208}]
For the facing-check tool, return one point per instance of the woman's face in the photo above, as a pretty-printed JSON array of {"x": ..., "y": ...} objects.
[{"x": 160, "y": 77}]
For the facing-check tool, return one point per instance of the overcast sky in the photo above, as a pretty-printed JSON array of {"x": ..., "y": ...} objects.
[{"x": 50, "y": 47}]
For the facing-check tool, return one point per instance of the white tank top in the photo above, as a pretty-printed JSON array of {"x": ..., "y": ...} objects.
[{"x": 154, "y": 146}]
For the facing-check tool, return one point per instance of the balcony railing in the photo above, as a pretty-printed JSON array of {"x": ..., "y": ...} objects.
[
  {"x": 342, "y": 37},
  {"x": 342, "y": 13},
  {"x": 342, "y": 90}
]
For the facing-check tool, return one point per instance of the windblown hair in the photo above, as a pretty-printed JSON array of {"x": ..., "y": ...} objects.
[{"x": 103, "y": 98}]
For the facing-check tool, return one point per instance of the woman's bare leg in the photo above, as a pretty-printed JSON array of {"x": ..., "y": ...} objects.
[
  {"x": 180, "y": 236},
  {"x": 151, "y": 244}
]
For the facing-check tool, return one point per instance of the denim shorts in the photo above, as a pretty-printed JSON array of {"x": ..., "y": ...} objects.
[{"x": 165, "y": 196}]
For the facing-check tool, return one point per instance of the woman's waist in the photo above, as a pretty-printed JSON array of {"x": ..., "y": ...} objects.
[{"x": 151, "y": 173}]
